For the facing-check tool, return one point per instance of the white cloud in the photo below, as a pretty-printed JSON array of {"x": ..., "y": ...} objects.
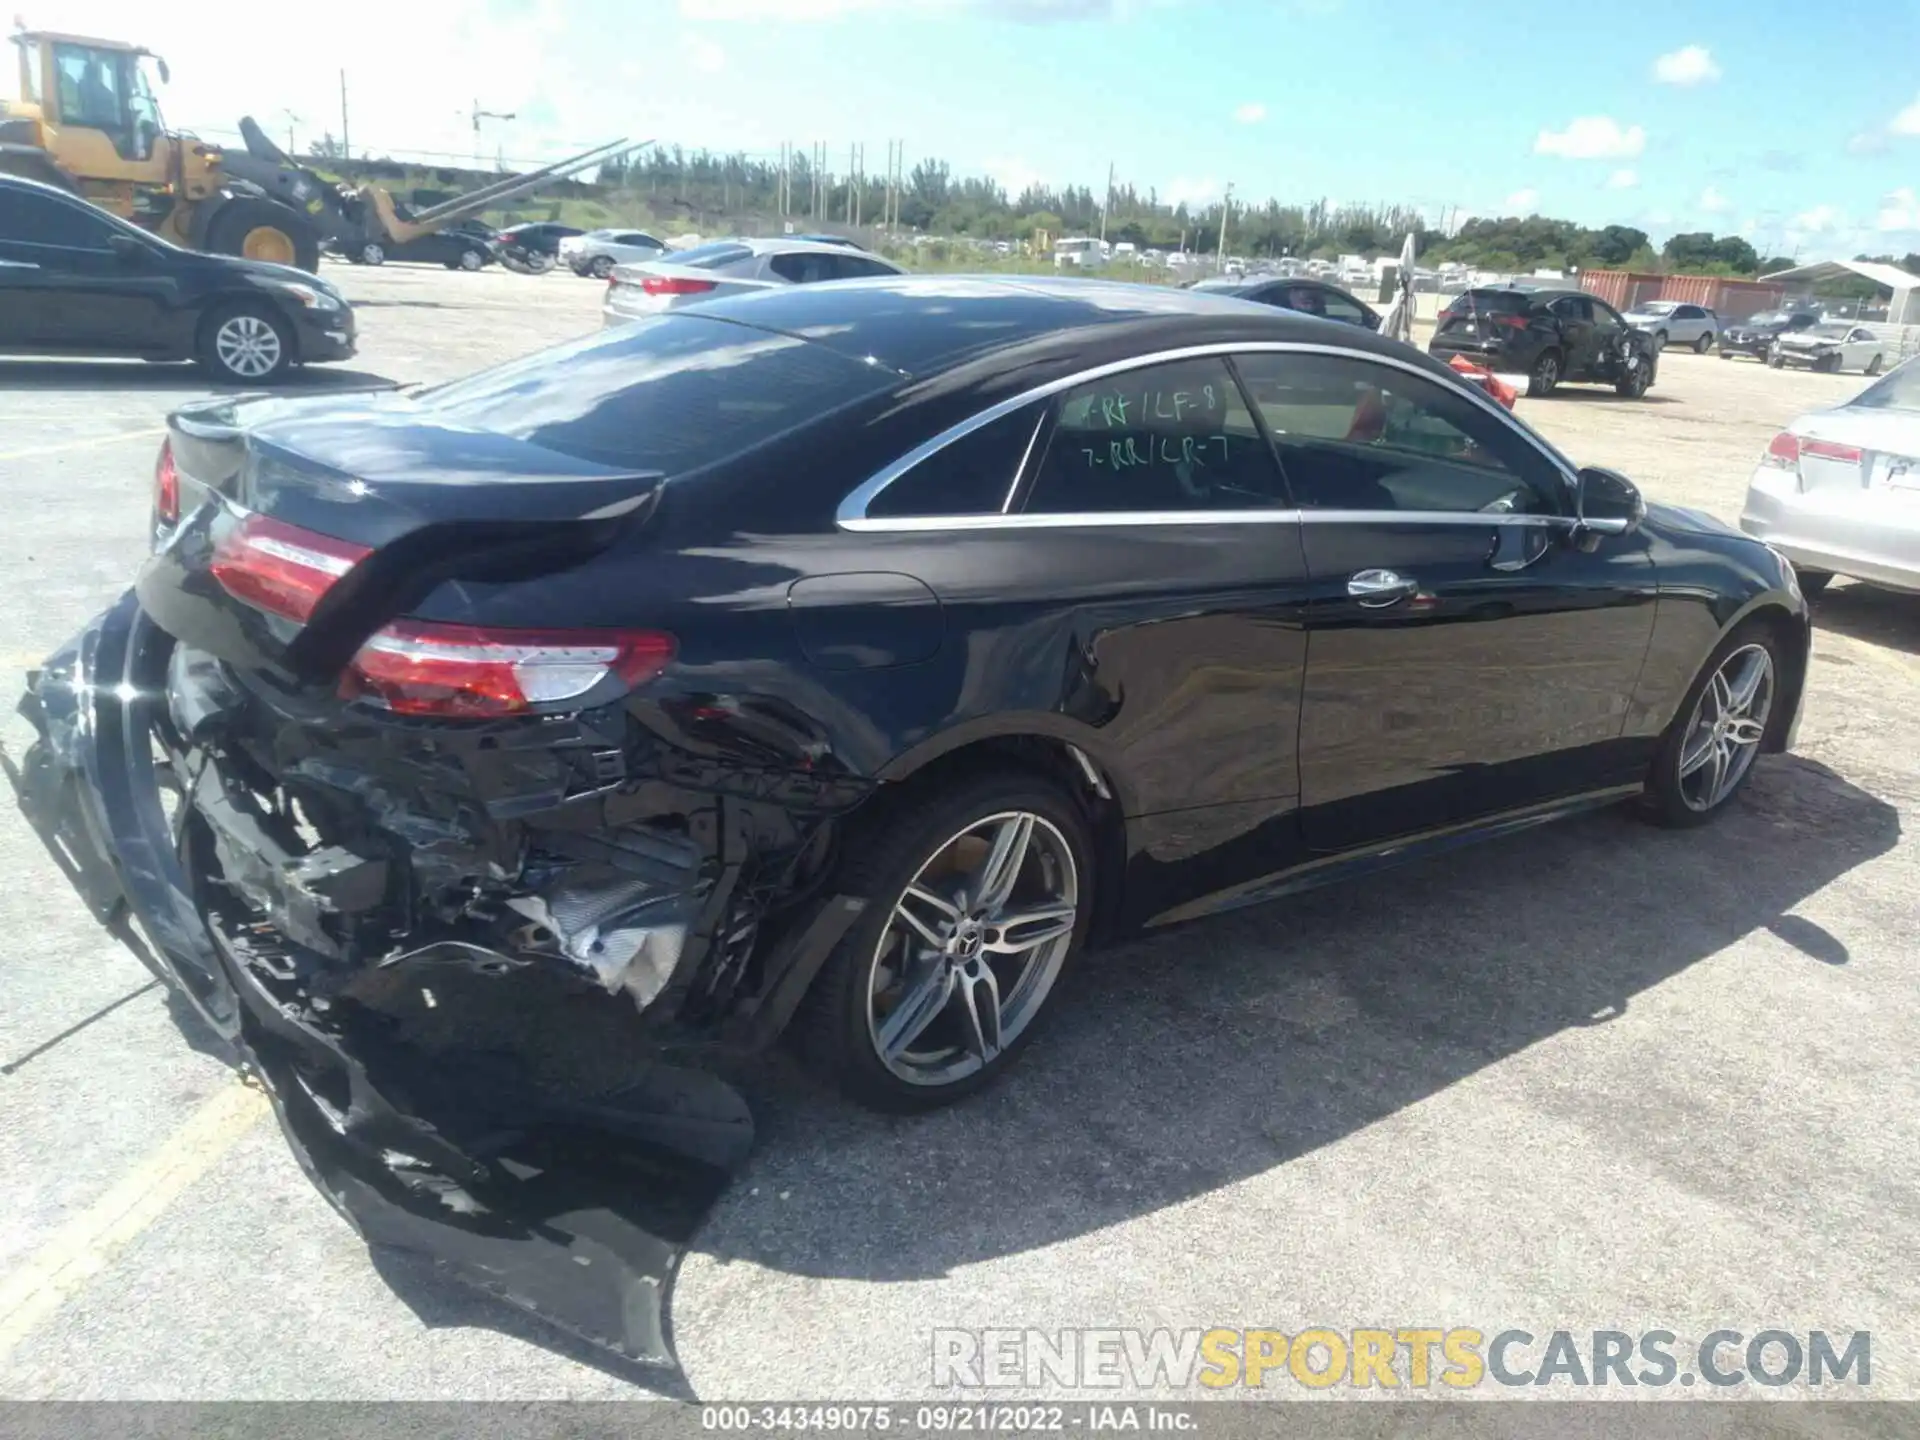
[
  {"x": 1907, "y": 122},
  {"x": 1820, "y": 220},
  {"x": 1195, "y": 194},
  {"x": 1712, "y": 202},
  {"x": 1900, "y": 210},
  {"x": 1592, "y": 137},
  {"x": 1520, "y": 202},
  {"x": 702, "y": 54},
  {"x": 1624, "y": 179},
  {"x": 1689, "y": 65},
  {"x": 1251, "y": 113},
  {"x": 1867, "y": 142}
]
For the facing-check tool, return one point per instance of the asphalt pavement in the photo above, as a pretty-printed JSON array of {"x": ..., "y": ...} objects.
[{"x": 1599, "y": 1076}]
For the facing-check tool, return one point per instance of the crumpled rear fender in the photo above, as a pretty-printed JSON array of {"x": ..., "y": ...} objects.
[{"x": 438, "y": 1098}]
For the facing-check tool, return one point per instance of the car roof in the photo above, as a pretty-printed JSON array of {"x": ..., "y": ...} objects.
[
  {"x": 22, "y": 182},
  {"x": 922, "y": 324}
]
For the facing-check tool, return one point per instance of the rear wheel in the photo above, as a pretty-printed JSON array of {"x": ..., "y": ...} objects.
[
  {"x": 1704, "y": 343},
  {"x": 471, "y": 259},
  {"x": 1873, "y": 365},
  {"x": 246, "y": 345},
  {"x": 1544, "y": 375},
  {"x": 977, "y": 899},
  {"x": 371, "y": 254},
  {"x": 1709, "y": 750}
]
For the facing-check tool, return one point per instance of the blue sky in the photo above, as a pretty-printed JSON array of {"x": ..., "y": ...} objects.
[{"x": 1772, "y": 118}]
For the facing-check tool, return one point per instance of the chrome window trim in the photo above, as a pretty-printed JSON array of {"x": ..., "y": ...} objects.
[
  {"x": 1112, "y": 519},
  {"x": 852, "y": 512}
]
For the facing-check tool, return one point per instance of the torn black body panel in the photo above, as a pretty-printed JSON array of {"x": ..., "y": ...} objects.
[{"x": 474, "y": 967}]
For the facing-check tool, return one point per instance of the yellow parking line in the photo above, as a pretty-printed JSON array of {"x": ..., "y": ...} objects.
[
  {"x": 86, "y": 1245},
  {"x": 87, "y": 444}
]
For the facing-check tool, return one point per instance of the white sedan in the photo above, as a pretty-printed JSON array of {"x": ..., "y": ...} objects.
[
  {"x": 598, "y": 251},
  {"x": 1838, "y": 491},
  {"x": 1832, "y": 346},
  {"x": 730, "y": 267}
]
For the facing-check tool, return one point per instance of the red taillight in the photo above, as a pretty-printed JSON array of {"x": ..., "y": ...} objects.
[
  {"x": 1783, "y": 450},
  {"x": 1829, "y": 450},
  {"x": 280, "y": 568},
  {"x": 674, "y": 285},
  {"x": 417, "y": 667},
  {"x": 166, "y": 486},
  {"x": 1512, "y": 322}
]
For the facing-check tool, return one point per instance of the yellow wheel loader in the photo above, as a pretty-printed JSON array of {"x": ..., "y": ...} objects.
[{"x": 87, "y": 120}]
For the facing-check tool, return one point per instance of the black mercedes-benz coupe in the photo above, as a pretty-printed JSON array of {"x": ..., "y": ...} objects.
[
  {"x": 856, "y": 652},
  {"x": 985, "y": 618}
]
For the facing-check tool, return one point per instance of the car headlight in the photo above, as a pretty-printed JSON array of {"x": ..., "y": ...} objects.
[{"x": 310, "y": 296}]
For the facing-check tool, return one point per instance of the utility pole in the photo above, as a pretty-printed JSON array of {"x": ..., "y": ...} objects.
[
  {"x": 346, "y": 148},
  {"x": 1106, "y": 205},
  {"x": 292, "y": 120},
  {"x": 859, "y": 181},
  {"x": 478, "y": 116},
  {"x": 781, "y": 189},
  {"x": 1226, "y": 208}
]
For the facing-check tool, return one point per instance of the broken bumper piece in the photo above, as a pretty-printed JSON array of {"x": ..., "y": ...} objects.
[{"x": 473, "y": 1006}]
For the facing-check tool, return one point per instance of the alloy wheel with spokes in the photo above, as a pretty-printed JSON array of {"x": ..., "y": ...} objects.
[
  {"x": 972, "y": 948},
  {"x": 1729, "y": 722},
  {"x": 1708, "y": 751},
  {"x": 979, "y": 892},
  {"x": 246, "y": 346}
]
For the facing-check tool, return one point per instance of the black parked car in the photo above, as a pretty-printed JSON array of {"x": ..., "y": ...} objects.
[
  {"x": 467, "y": 245},
  {"x": 1755, "y": 335},
  {"x": 1550, "y": 336},
  {"x": 1309, "y": 297},
  {"x": 75, "y": 280},
  {"x": 1003, "y": 643},
  {"x": 534, "y": 246}
]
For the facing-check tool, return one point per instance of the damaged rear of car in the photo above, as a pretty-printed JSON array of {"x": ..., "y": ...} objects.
[{"x": 449, "y": 850}]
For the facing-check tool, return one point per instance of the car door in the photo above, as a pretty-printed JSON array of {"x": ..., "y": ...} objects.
[
  {"x": 1466, "y": 656},
  {"x": 1348, "y": 311},
  {"x": 1166, "y": 520},
  {"x": 1861, "y": 347},
  {"x": 804, "y": 267},
  {"x": 68, "y": 289},
  {"x": 1573, "y": 315}
]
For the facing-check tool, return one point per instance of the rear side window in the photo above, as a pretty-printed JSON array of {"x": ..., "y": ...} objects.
[
  {"x": 672, "y": 393},
  {"x": 1165, "y": 437},
  {"x": 35, "y": 219},
  {"x": 805, "y": 267},
  {"x": 712, "y": 257},
  {"x": 972, "y": 476},
  {"x": 1898, "y": 391}
]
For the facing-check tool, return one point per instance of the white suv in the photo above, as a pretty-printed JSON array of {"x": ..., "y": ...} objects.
[{"x": 1674, "y": 322}]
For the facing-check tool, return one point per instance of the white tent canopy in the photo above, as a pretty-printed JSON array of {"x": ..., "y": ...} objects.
[{"x": 1905, "y": 308}]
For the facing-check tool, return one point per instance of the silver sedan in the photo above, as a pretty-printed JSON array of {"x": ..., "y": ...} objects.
[
  {"x": 1838, "y": 491},
  {"x": 730, "y": 267}
]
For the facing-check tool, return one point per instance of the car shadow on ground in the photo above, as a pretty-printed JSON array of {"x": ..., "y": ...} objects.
[
  {"x": 1601, "y": 396},
  {"x": 85, "y": 375},
  {"x": 1868, "y": 613},
  {"x": 1194, "y": 1058}
]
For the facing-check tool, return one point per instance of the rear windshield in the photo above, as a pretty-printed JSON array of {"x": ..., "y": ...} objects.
[
  {"x": 1900, "y": 390},
  {"x": 1831, "y": 332},
  {"x": 1493, "y": 302},
  {"x": 671, "y": 393},
  {"x": 1658, "y": 307},
  {"x": 712, "y": 257}
]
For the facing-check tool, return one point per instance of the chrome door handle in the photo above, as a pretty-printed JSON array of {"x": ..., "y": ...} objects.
[{"x": 1377, "y": 589}]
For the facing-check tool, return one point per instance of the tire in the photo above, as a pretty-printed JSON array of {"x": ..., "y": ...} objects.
[
  {"x": 245, "y": 345},
  {"x": 371, "y": 254},
  {"x": 1775, "y": 360},
  {"x": 1635, "y": 385},
  {"x": 539, "y": 262},
  {"x": 1873, "y": 365},
  {"x": 251, "y": 228},
  {"x": 471, "y": 260},
  {"x": 1704, "y": 343},
  {"x": 1726, "y": 354},
  {"x": 601, "y": 267},
  {"x": 1812, "y": 582},
  {"x": 1680, "y": 801},
  {"x": 1544, "y": 375},
  {"x": 937, "y": 844},
  {"x": 1659, "y": 339}
]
